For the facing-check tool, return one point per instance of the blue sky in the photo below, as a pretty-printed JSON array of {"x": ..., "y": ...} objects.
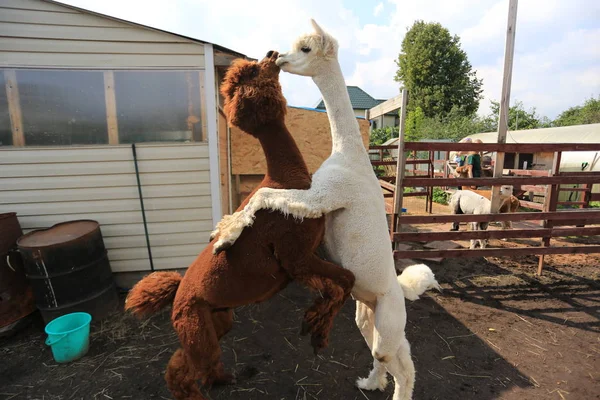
[{"x": 557, "y": 55}]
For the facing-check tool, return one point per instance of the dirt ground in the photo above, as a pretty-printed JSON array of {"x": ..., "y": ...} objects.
[{"x": 497, "y": 331}]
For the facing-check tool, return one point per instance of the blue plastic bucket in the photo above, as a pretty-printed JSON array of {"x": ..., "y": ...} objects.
[{"x": 69, "y": 336}]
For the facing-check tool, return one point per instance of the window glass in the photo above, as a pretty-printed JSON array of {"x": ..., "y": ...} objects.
[
  {"x": 158, "y": 106},
  {"x": 62, "y": 107},
  {"x": 5, "y": 129}
]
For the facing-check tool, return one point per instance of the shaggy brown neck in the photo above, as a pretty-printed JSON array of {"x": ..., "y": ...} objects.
[{"x": 285, "y": 165}]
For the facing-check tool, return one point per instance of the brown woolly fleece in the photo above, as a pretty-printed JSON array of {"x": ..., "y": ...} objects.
[{"x": 265, "y": 258}]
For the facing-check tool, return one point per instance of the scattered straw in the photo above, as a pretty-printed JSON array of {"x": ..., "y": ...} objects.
[
  {"x": 470, "y": 376},
  {"x": 363, "y": 393},
  {"x": 290, "y": 344},
  {"x": 447, "y": 344},
  {"x": 524, "y": 320}
]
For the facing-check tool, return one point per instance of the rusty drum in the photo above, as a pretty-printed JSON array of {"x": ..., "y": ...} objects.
[
  {"x": 16, "y": 296},
  {"x": 68, "y": 268}
]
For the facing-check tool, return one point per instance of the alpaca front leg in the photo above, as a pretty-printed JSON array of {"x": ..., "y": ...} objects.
[
  {"x": 300, "y": 204},
  {"x": 474, "y": 228},
  {"x": 334, "y": 285}
]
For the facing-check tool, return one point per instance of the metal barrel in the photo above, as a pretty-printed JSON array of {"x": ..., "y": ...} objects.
[
  {"x": 16, "y": 296},
  {"x": 68, "y": 268}
]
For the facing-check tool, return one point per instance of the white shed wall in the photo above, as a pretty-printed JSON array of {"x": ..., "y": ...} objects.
[
  {"x": 37, "y": 34},
  {"x": 45, "y": 186}
]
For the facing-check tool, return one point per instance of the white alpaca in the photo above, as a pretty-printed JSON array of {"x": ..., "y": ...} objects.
[
  {"x": 347, "y": 191},
  {"x": 468, "y": 202}
]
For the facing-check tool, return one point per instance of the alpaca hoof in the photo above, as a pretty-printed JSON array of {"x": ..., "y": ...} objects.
[
  {"x": 372, "y": 383},
  {"x": 225, "y": 379},
  {"x": 305, "y": 329},
  {"x": 318, "y": 342}
]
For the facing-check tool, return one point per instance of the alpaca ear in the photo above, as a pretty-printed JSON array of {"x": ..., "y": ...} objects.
[
  {"x": 317, "y": 28},
  {"x": 328, "y": 43}
]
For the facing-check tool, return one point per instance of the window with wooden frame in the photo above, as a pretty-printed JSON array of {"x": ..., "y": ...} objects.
[
  {"x": 158, "y": 106},
  {"x": 76, "y": 107}
]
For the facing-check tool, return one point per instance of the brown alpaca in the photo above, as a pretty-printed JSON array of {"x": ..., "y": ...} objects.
[{"x": 265, "y": 258}]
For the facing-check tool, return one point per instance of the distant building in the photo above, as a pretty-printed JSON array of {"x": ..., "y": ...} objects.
[{"x": 362, "y": 101}]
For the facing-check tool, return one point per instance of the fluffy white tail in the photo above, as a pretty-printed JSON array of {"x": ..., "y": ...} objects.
[{"x": 416, "y": 279}]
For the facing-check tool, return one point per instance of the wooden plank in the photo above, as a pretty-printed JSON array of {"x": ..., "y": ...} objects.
[
  {"x": 98, "y": 47},
  {"x": 88, "y": 194},
  {"x": 111, "y": 107},
  {"x": 388, "y": 186},
  {"x": 579, "y": 173},
  {"x": 507, "y": 147},
  {"x": 400, "y": 166},
  {"x": 14, "y": 107},
  {"x": 379, "y": 163},
  {"x": 96, "y": 60},
  {"x": 172, "y": 239},
  {"x": 415, "y": 194},
  {"x": 507, "y": 180},
  {"x": 125, "y": 34},
  {"x": 156, "y": 228},
  {"x": 69, "y": 154},
  {"x": 509, "y": 50},
  {"x": 35, "y": 5},
  {"x": 497, "y": 252},
  {"x": 491, "y": 147},
  {"x": 129, "y": 217},
  {"x": 159, "y": 264},
  {"x": 531, "y": 204},
  {"x": 493, "y": 234},
  {"x": 571, "y": 203},
  {"x": 100, "y": 168},
  {"x": 577, "y": 189},
  {"x": 158, "y": 251},
  {"x": 97, "y": 181},
  {"x": 55, "y": 18},
  {"x": 387, "y": 106},
  {"x": 106, "y": 205},
  {"x": 550, "y": 204},
  {"x": 588, "y": 214},
  {"x": 526, "y": 172},
  {"x": 533, "y": 188}
]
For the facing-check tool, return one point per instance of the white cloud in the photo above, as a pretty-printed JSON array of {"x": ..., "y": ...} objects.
[
  {"x": 556, "y": 58},
  {"x": 378, "y": 9}
]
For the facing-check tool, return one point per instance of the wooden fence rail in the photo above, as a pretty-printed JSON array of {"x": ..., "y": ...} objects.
[
  {"x": 538, "y": 182},
  {"x": 503, "y": 234},
  {"x": 495, "y": 252}
]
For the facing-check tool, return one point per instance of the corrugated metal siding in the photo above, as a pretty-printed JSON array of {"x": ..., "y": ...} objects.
[
  {"x": 39, "y": 34},
  {"x": 45, "y": 186}
]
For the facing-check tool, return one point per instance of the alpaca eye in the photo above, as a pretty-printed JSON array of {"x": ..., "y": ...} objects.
[{"x": 305, "y": 49}]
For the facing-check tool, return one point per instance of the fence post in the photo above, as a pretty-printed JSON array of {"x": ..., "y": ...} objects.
[
  {"x": 550, "y": 204},
  {"x": 505, "y": 99},
  {"x": 400, "y": 167}
]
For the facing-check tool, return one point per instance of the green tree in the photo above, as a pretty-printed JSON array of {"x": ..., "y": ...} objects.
[
  {"x": 436, "y": 71},
  {"x": 413, "y": 125},
  {"x": 589, "y": 113},
  {"x": 454, "y": 125},
  {"x": 518, "y": 117},
  {"x": 379, "y": 136}
]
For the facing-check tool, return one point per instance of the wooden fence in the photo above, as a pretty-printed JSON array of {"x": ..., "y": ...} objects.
[{"x": 544, "y": 182}]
